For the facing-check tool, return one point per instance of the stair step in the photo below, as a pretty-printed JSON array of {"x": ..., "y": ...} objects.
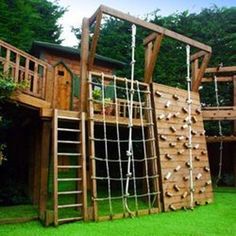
[
  {"x": 70, "y": 205},
  {"x": 70, "y": 219},
  {"x": 68, "y": 130},
  {"x": 69, "y": 141},
  {"x": 68, "y": 154},
  {"x": 69, "y": 167},
  {"x": 69, "y": 192},
  {"x": 67, "y": 118},
  {"x": 69, "y": 179}
]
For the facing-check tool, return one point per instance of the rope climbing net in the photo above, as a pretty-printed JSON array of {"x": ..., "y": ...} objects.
[
  {"x": 137, "y": 167},
  {"x": 130, "y": 174}
]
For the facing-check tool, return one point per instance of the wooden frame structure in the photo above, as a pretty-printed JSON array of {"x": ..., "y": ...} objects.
[
  {"x": 50, "y": 116},
  {"x": 224, "y": 75}
]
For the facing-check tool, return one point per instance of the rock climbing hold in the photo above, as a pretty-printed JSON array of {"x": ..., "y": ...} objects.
[
  {"x": 158, "y": 94},
  {"x": 199, "y": 176},
  {"x": 173, "y": 129}
]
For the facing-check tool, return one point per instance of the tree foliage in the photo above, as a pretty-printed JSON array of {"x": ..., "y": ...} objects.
[{"x": 23, "y": 21}]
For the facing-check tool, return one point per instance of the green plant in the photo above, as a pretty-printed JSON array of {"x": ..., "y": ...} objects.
[
  {"x": 8, "y": 86},
  {"x": 97, "y": 94}
]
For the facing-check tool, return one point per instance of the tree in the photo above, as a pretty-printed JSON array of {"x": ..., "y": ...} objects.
[{"x": 23, "y": 21}]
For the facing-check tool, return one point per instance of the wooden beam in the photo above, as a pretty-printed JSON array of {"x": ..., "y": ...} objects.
[
  {"x": 219, "y": 114},
  {"x": 149, "y": 39},
  {"x": 221, "y": 69},
  {"x": 234, "y": 154},
  {"x": 29, "y": 100},
  {"x": 153, "y": 59},
  {"x": 44, "y": 165},
  {"x": 201, "y": 72},
  {"x": 219, "y": 79},
  {"x": 83, "y": 65},
  {"x": 148, "y": 53},
  {"x": 95, "y": 40},
  {"x": 197, "y": 55},
  {"x": 152, "y": 27},
  {"x": 195, "y": 69},
  {"x": 217, "y": 139},
  {"x": 92, "y": 19}
]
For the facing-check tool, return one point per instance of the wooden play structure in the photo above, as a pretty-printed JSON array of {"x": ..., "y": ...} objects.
[{"x": 103, "y": 141}]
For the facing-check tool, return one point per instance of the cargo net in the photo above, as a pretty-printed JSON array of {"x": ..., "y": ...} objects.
[{"x": 124, "y": 163}]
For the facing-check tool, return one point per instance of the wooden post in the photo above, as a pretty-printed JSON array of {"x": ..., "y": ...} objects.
[
  {"x": 153, "y": 59},
  {"x": 234, "y": 154},
  {"x": 44, "y": 165},
  {"x": 84, "y": 65},
  {"x": 195, "y": 69},
  {"x": 201, "y": 72},
  {"x": 83, "y": 164}
]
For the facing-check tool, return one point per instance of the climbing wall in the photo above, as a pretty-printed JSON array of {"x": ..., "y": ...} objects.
[{"x": 171, "y": 111}]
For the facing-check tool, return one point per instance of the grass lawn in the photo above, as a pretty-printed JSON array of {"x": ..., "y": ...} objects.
[{"x": 218, "y": 218}]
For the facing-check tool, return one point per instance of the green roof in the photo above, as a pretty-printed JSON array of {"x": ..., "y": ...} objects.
[{"x": 74, "y": 52}]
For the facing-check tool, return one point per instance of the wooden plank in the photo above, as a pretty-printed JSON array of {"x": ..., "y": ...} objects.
[
  {"x": 7, "y": 62},
  {"x": 44, "y": 165},
  {"x": 201, "y": 72},
  {"x": 221, "y": 69},
  {"x": 154, "y": 27},
  {"x": 195, "y": 69},
  {"x": 92, "y": 152},
  {"x": 55, "y": 168},
  {"x": 217, "y": 139},
  {"x": 148, "y": 53},
  {"x": 17, "y": 67},
  {"x": 197, "y": 55},
  {"x": 153, "y": 59},
  {"x": 219, "y": 115},
  {"x": 17, "y": 220},
  {"x": 234, "y": 152},
  {"x": 82, "y": 160},
  {"x": 83, "y": 65},
  {"x": 94, "y": 40},
  {"x": 219, "y": 79},
  {"x": 29, "y": 100}
]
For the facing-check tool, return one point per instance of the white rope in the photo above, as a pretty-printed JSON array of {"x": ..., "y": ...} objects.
[
  {"x": 130, "y": 111},
  {"x": 189, "y": 102},
  {"x": 144, "y": 146},
  {"x": 118, "y": 144},
  {"x": 106, "y": 148},
  {"x": 220, "y": 132}
]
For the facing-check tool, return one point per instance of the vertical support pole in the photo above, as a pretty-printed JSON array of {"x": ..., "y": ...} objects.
[
  {"x": 148, "y": 54},
  {"x": 84, "y": 65},
  {"x": 44, "y": 165},
  {"x": 83, "y": 164},
  {"x": 195, "y": 69},
  {"x": 234, "y": 154},
  {"x": 92, "y": 152}
]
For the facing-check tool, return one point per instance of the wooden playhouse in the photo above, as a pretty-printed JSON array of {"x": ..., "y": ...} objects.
[{"x": 94, "y": 153}]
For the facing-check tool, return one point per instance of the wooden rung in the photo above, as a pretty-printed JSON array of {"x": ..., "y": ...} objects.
[
  {"x": 70, "y": 205},
  {"x": 69, "y": 192},
  {"x": 69, "y": 219},
  {"x": 68, "y": 154},
  {"x": 69, "y": 167},
  {"x": 69, "y": 141},
  {"x": 69, "y": 179},
  {"x": 68, "y": 130},
  {"x": 67, "y": 118}
]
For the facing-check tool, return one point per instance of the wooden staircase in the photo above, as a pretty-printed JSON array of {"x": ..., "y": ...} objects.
[{"x": 69, "y": 167}]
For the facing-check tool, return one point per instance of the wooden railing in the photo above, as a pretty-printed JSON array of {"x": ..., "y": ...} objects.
[
  {"x": 23, "y": 67},
  {"x": 116, "y": 105}
]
